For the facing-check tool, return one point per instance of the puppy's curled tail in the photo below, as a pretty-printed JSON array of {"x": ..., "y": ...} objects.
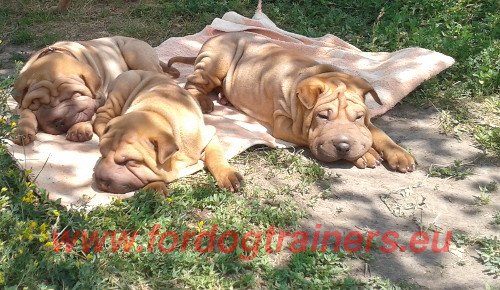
[
  {"x": 170, "y": 70},
  {"x": 182, "y": 59}
]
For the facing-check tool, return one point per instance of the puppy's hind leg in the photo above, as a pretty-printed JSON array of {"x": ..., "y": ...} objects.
[
  {"x": 211, "y": 68},
  {"x": 139, "y": 55}
]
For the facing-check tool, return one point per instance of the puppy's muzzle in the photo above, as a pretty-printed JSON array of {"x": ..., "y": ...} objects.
[
  {"x": 341, "y": 146},
  {"x": 115, "y": 178}
]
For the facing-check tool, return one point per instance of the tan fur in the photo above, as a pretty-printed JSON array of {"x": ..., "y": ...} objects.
[
  {"x": 150, "y": 130},
  {"x": 303, "y": 101},
  {"x": 64, "y": 83}
]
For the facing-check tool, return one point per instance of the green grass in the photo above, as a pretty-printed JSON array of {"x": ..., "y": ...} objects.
[
  {"x": 488, "y": 249},
  {"x": 309, "y": 169},
  {"x": 467, "y": 93},
  {"x": 496, "y": 217},
  {"x": 27, "y": 257},
  {"x": 489, "y": 138},
  {"x": 482, "y": 199},
  {"x": 457, "y": 170},
  {"x": 22, "y": 37},
  {"x": 484, "y": 196},
  {"x": 489, "y": 254}
]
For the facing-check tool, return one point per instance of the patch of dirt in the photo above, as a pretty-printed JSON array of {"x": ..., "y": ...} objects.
[{"x": 8, "y": 53}]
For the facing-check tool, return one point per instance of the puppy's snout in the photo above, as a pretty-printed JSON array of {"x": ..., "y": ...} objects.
[
  {"x": 343, "y": 147},
  {"x": 106, "y": 183},
  {"x": 59, "y": 123},
  {"x": 115, "y": 178}
]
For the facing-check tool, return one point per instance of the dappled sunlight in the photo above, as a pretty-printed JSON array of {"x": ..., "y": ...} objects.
[
  {"x": 338, "y": 196},
  {"x": 382, "y": 200},
  {"x": 61, "y": 167}
]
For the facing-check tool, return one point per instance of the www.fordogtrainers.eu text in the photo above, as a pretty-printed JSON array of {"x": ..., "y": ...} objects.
[{"x": 249, "y": 243}]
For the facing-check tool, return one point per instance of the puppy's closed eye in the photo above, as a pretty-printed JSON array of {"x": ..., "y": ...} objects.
[
  {"x": 105, "y": 130},
  {"x": 323, "y": 116}
]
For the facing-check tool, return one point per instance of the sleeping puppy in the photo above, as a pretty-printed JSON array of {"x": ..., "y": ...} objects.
[
  {"x": 304, "y": 102},
  {"x": 150, "y": 131},
  {"x": 61, "y": 86}
]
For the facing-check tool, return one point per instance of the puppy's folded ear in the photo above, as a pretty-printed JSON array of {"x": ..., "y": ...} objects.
[
  {"x": 20, "y": 88},
  {"x": 23, "y": 82},
  {"x": 374, "y": 95},
  {"x": 91, "y": 79},
  {"x": 359, "y": 84},
  {"x": 366, "y": 88},
  {"x": 165, "y": 147},
  {"x": 308, "y": 91}
]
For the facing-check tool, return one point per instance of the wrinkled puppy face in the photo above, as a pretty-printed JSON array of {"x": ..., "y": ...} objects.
[
  {"x": 133, "y": 147},
  {"x": 338, "y": 131},
  {"x": 338, "y": 116},
  {"x": 59, "y": 118},
  {"x": 60, "y": 91}
]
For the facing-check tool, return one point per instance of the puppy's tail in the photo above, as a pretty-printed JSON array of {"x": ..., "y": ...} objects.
[
  {"x": 182, "y": 59},
  {"x": 170, "y": 70},
  {"x": 173, "y": 71}
]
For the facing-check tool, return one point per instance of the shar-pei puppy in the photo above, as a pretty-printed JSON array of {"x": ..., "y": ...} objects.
[
  {"x": 151, "y": 130},
  {"x": 61, "y": 86},
  {"x": 303, "y": 102}
]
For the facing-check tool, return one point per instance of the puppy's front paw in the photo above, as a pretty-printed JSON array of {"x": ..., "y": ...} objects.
[
  {"x": 24, "y": 136},
  {"x": 158, "y": 186},
  {"x": 206, "y": 104},
  {"x": 228, "y": 178},
  {"x": 80, "y": 132},
  {"x": 399, "y": 159},
  {"x": 370, "y": 159}
]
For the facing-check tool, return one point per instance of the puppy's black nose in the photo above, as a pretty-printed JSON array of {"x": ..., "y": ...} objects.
[{"x": 343, "y": 147}]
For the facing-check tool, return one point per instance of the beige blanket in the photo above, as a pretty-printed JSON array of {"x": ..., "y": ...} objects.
[{"x": 65, "y": 169}]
